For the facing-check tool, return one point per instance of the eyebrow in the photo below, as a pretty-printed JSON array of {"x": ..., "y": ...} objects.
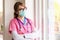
[{"x": 21, "y": 9}]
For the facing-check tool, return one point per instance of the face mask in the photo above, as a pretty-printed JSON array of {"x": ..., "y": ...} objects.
[{"x": 22, "y": 13}]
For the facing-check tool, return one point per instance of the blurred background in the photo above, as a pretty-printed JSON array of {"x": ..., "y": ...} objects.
[{"x": 44, "y": 13}]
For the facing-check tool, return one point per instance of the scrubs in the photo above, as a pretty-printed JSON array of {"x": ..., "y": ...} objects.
[{"x": 18, "y": 27}]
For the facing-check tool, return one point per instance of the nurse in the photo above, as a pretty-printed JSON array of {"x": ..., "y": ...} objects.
[{"x": 20, "y": 24}]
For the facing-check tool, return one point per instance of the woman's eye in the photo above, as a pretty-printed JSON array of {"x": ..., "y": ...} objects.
[{"x": 19, "y": 9}]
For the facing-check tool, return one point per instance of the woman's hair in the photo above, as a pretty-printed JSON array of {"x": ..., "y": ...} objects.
[{"x": 16, "y": 9}]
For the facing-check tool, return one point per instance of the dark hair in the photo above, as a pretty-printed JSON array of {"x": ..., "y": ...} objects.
[{"x": 16, "y": 9}]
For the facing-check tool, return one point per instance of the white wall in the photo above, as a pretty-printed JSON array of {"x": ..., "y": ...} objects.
[
  {"x": 30, "y": 9},
  {"x": 8, "y": 14},
  {"x": 51, "y": 20},
  {"x": 45, "y": 20},
  {"x": 23, "y": 1}
]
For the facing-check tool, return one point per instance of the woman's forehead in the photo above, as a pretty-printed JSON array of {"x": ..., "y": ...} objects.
[{"x": 22, "y": 6}]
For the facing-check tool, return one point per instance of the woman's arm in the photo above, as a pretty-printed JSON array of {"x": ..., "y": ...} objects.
[
  {"x": 16, "y": 36},
  {"x": 12, "y": 30},
  {"x": 35, "y": 31},
  {"x": 34, "y": 34}
]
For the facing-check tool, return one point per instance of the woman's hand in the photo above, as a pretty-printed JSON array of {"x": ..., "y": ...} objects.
[{"x": 24, "y": 36}]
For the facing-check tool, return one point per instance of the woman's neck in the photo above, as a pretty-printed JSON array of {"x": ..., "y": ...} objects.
[{"x": 21, "y": 18}]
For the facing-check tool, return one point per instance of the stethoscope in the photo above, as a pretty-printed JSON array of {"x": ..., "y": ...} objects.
[
  {"x": 19, "y": 21},
  {"x": 24, "y": 24}
]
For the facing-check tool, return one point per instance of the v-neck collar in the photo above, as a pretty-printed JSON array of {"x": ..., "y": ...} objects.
[{"x": 21, "y": 21}]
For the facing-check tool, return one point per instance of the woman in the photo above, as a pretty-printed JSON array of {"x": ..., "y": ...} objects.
[{"x": 20, "y": 25}]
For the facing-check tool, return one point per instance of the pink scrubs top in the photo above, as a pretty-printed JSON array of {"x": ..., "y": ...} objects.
[{"x": 20, "y": 27}]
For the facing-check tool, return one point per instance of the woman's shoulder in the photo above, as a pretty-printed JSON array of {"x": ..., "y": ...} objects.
[
  {"x": 29, "y": 20},
  {"x": 13, "y": 20}
]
